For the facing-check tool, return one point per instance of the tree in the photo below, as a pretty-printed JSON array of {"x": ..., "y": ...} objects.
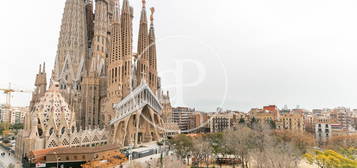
[
  {"x": 17, "y": 126},
  {"x": 272, "y": 124},
  {"x": 239, "y": 143},
  {"x": 268, "y": 151},
  {"x": 345, "y": 141},
  {"x": 241, "y": 121},
  {"x": 168, "y": 162},
  {"x": 216, "y": 141},
  {"x": 276, "y": 155},
  {"x": 202, "y": 151},
  {"x": 253, "y": 122},
  {"x": 350, "y": 153},
  {"x": 4, "y": 126},
  {"x": 330, "y": 159},
  {"x": 182, "y": 145},
  {"x": 303, "y": 141}
]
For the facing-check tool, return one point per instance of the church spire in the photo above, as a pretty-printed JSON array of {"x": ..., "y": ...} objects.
[
  {"x": 115, "y": 67},
  {"x": 72, "y": 45},
  {"x": 126, "y": 7},
  {"x": 143, "y": 43},
  {"x": 44, "y": 68},
  {"x": 116, "y": 39},
  {"x": 117, "y": 12},
  {"x": 153, "y": 83},
  {"x": 143, "y": 19},
  {"x": 40, "y": 86},
  {"x": 127, "y": 41},
  {"x": 39, "y": 69},
  {"x": 99, "y": 45}
]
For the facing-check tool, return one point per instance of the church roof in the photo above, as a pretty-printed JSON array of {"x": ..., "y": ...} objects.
[{"x": 52, "y": 108}]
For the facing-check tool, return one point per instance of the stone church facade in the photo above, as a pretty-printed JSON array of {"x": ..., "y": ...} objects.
[
  {"x": 95, "y": 63},
  {"x": 51, "y": 123},
  {"x": 101, "y": 91}
]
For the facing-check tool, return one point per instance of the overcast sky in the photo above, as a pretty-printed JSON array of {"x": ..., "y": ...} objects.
[{"x": 237, "y": 54}]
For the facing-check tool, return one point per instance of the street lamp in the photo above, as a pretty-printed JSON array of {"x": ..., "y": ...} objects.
[
  {"x": 31, "y": 159},
  {"x": 57, "y": 158},
  {"x": 130, "y": 152}
]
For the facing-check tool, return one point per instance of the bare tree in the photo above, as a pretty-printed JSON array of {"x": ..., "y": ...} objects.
[
  {"x": 202, "y": 150},
  {"x": 270, "y": 151},
  {"x": 282, "y": 155},
  {"x": 239, "y": 143},
  {"x": 167, "y": 162}
]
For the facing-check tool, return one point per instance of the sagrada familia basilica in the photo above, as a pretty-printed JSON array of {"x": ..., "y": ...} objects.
[{"x": 100, "y": 91}]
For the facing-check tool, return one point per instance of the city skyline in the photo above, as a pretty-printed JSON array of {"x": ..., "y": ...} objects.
[
  {"x": 180, "y": 83},
  {"x": 291, "y": 59}
]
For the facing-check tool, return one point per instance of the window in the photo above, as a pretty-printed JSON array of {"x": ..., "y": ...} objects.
[{"x": 63, "y": 130}]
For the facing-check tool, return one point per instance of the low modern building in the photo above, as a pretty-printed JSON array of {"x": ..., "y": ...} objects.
[
  {"x": 323, "y": 132},
  {"x": 219, "y": 122},
  {"x": 182, "y": 117},
  {"x": 343, "y": 116},
  {"x": 4, "y": 114},
  {"x": 291, "y": 121},
  {"x": 12, "y": 115},
  {"x": 17, "y": 114},
  {"x": 69, "y": 157},
  {"x": 199, "y": 122}
]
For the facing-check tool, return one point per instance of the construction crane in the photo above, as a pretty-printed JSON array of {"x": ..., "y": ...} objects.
[{"x": 8, "y": 93}]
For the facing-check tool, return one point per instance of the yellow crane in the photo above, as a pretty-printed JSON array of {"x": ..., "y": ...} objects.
[{"x": 8, "y": 93}]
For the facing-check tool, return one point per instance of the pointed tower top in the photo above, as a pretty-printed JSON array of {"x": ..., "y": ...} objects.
[
  {"x": 117, "y": 11},
  {"x": 143, "y": 18},
  {"x": 39, "y": 70},
  {"x": 126, "y": 7},
  {"x": 152, "y": 15},
  {"x": 144, "y": 3},
  {"x": 44, "y": 67}
]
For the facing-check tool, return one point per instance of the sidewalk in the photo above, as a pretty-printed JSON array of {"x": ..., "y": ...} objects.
[{"x": 142, "y": 160}]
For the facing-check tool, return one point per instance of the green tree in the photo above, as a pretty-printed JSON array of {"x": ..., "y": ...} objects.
[
  {"x": 183, "y": 146},
  {"x": 17, "y": 126},
  {"x": 216, "y": 141},
  {"x": 330, "y": 159},
  {"x": 241, "y": 121}
]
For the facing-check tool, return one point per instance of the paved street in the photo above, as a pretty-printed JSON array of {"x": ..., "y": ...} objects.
[{"x": 6, "y": 160}]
